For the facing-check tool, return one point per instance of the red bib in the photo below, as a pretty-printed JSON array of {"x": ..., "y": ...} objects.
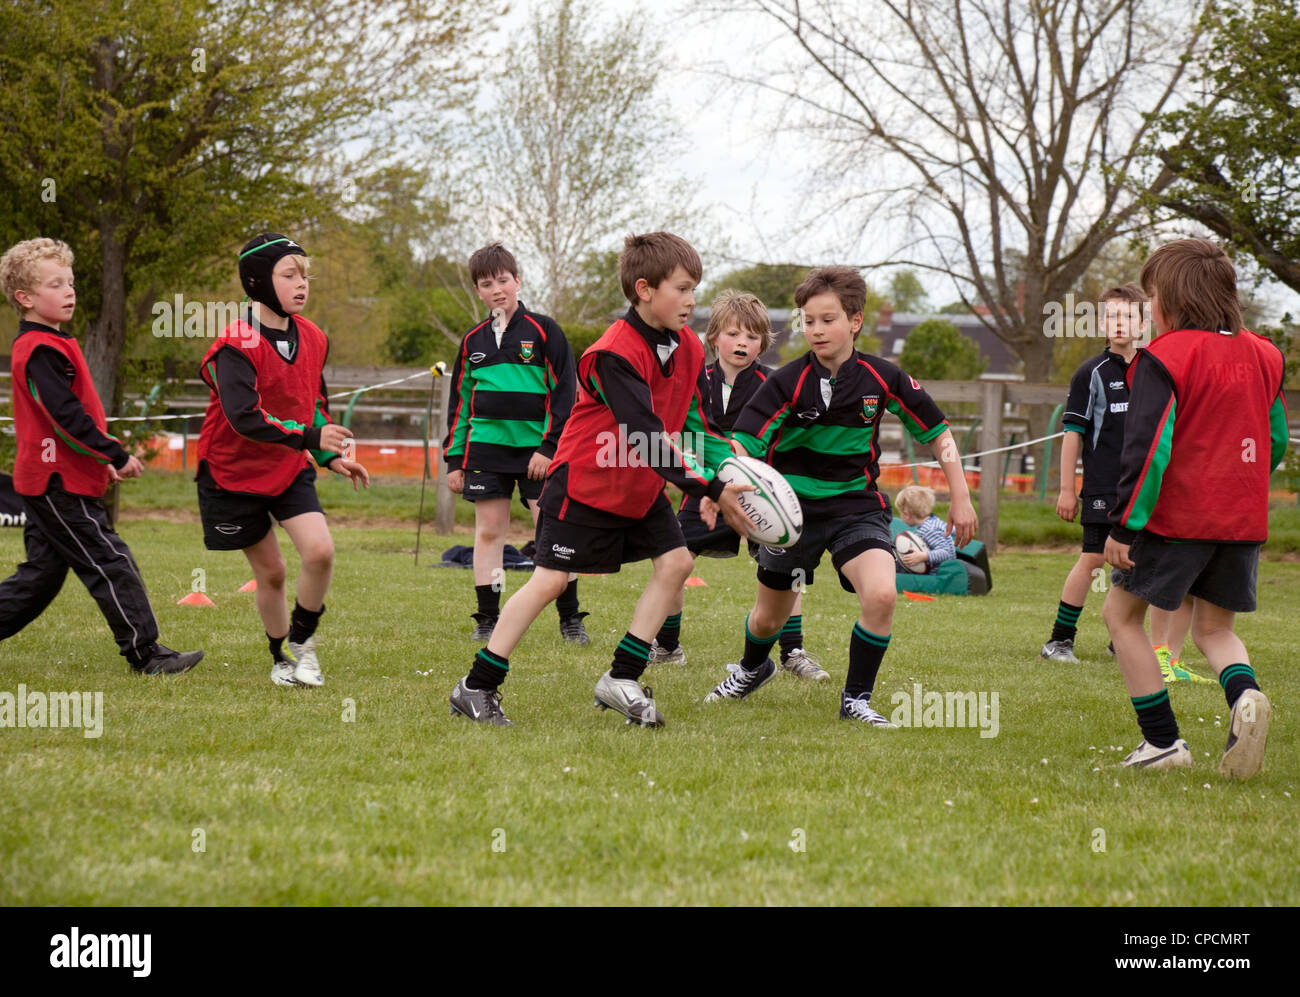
[
  {"x": 42, "y": 448},
  {"x": 288, "y": 391}
]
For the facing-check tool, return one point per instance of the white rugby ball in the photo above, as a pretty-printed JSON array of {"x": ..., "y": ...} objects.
[
  {"x": 905, "y": 543},
  {"x": 775, "y": 515}
]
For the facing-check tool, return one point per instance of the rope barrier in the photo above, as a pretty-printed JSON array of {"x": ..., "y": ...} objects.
[
  {"x": 982, "y": 453},
  {"x": 437, "y": 370}
]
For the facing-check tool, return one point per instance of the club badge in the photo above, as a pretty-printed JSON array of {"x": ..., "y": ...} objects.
[{"x": 870, "y": 405}]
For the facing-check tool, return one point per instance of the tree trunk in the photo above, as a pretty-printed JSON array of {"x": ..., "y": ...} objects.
[{"x": 107, "y": 334}]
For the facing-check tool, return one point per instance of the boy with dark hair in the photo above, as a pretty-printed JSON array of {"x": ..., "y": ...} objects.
[
  {"x": 739, "y": 332},
  {"x": 268, "y": 408},
  {"x": 639, "y": 386},
  {"x": 64, "y": 464},
  {"x": 1094, "y": 423},
  {"x": 511, "y": 391},
  {"x": 1204, "y": 398},
  {"x": 816, "y": 420}
]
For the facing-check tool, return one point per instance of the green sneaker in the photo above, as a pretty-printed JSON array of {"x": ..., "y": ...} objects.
[
  {"x": 1187, "y": 675},
  {"x": 1167, "y": 667}
]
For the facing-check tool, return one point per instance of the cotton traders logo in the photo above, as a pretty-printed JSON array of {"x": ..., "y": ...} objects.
[
  {"x": 870, "y": 405},
  {"x": 477, "y": 357},
  {"x": 526, "y": 351}
]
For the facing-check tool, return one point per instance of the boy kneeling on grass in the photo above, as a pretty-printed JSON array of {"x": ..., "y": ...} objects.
[{"x": 1192, "y": 509}]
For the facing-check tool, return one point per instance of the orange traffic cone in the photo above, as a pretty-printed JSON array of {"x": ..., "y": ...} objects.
[
  {"x": 696, "y": 582},
  {"x": 195, "y": 599},
  {"x": 919, "y": 597},
  {"x": 249, "y": 586}
]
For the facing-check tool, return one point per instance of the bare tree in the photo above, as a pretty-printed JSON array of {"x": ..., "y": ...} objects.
[
  {"x": 579, "y": 148},
  {"x": 1007, "y": 136}
]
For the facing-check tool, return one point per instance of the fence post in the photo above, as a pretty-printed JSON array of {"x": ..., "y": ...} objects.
[
  {"x": 991, "y": 393},
  {"x": 445, "y": 515}
]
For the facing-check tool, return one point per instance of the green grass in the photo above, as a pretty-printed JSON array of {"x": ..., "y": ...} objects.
[
  {"x": 404, "y": 805},
  {"x": 1022, "y": 520}
]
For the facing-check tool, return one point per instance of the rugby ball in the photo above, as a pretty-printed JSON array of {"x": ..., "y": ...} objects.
[
  {"x": 775, "y": 515},
  {"x": 905, "y": 543}
]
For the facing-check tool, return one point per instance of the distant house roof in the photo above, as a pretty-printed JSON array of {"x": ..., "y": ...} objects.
[{"x": 1000, "y": 363}]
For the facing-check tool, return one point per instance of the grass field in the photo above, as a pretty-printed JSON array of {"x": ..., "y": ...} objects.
[{"x": 367, "y": 792}]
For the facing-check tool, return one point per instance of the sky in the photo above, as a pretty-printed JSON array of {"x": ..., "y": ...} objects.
[{"x": 756, "y": 181}]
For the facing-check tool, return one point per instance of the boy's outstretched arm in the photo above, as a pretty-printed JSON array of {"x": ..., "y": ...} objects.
[{"x": 962, "y": 521}]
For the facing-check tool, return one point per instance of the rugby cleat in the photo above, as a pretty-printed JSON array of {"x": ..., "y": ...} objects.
[
  {"x": 161, "y": 660},
  {"x": 1059, "y": 650},
  {"x": 480, "y": 705},
  {"x": 1247, "y": 733},
  {"x": 483, "y": 627},
  {"x": 860, "y": 709},
  {"x": 1148, "y": 756},
  {"x": 307, "y": 669},
  {"x": 740, "y": 683},
  {"x": 282, "y": 670},
  {"x": 658, "y": 656},
  {"x": 573, "y": 631},
  {"x": 628, "y": 697},
  {"x": 801, "y": 664}
]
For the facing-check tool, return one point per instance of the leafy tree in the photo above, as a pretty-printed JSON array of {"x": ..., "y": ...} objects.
[
  {"x": 1236, "y": 153},
  {"x": 906, "y": 292},
  {"x": 935, "y": 350},
  {"x": 773, "y": 283},
  {"x": 1010, "y": 126},
  {"x": 155, "y": 137},
  {"x": 576, "y": 150}
]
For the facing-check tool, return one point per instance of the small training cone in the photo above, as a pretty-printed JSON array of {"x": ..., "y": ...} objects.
[
  {"x": 249, "y": 586},
  {"x": 696, "y": 583},
  {"x": 919, "y": 597},
  {"x": 195, "y": 599}
]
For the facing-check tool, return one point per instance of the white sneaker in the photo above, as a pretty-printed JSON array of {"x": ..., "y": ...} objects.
[
  {"x": 282, "y": 671},
  {"x": 1176, "y": 756},
  {"x": 739, "y": 683},
  {"x": 308, "y": 670},
  {"x": 860, "y": 710},
  {"x": 801, "y": 664},
  {"x": 658, "y": 656},
  {"x": 1247, "y": 732},
  {"x": 628, "y": 697}
]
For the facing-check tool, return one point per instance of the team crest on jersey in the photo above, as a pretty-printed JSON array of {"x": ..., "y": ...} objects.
[
  {"x": 526, "y": 350},
  {"x": 870, "y": 405}
]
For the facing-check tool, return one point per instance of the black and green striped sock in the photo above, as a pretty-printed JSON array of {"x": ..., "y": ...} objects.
[
  {"x": 1067, "y": 622},
  {"x": 488, "y": 671},
  {"x": 630, "y": 658},
  {"x": 866, "y": 651},
  {"x": 670, "y": 634},
  {"x": 791, "y": 636},
  {"x": 1235, "y": 680},
  {"x": 756, "y": 649},
  {"x": 1156, "y": 718}
]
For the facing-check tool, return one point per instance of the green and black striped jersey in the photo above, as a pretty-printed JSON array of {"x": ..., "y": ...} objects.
[
  {"x": 823, "y": 433},
  {"x": 511, "y": 400}
]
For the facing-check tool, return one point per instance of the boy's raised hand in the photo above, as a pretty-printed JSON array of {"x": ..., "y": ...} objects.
[
  {"x": 728, "y": 505},
  {"x": 332, "y": 436},
  {"x": 131, "y": 469},
  {"x": 351, "y": 469}
]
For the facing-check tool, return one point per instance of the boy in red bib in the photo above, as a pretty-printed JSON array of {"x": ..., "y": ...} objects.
[
  {"x": 1206, "y": 425},
  {"x": 268, "y": 408},
  {"x": 65, "y": 462},
  {"x": 639, "y": 387}
]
